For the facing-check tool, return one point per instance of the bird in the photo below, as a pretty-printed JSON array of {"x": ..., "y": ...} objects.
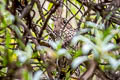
[{"x": 64, "y": 31}]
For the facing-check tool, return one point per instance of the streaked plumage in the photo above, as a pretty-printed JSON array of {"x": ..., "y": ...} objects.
[{"x": 65, "y": 33}]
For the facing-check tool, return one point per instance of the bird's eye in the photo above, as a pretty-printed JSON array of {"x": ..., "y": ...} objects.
[{"x": 64, "y": 21}]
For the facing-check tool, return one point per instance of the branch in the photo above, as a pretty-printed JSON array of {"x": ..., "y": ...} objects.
[
  {"x": 101, "y": 74},
  {"x": 89, "y": 73},
  {"x": 25, "y": 27},
  {"x": 40, "y": 10},
  {"x": 47, "y": 19},
  {"x": 43, "y": 18},
  {"x": 27, "y": 9}
]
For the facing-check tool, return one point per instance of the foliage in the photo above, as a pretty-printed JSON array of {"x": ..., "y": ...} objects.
[{"x": 30, "y": 49}]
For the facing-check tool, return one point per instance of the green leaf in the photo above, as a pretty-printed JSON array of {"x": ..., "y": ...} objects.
[
  {"x": 24, "y": 55},
  {"x": 8, "y": 39},
  {"x": 26, "y": 75},
  {"x": 82, "y": 38},
  {"x": 91, "y": 24},
  {"x": 107, "y": 39},
  {"x": 114, "y": 63},
  {"x": 55, "y": 45},
  {"x": 38, "y": 75},
  {"x": 77, "y": 61},
  {"x": 108, "y": 47},
  {"x": 50, "y": 5},
  {"x": 65, "y": 53},
  {"x": 86, "y": 48}
]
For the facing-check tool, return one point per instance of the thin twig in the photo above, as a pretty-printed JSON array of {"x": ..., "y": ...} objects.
[{"x": 53, "y": 9}]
